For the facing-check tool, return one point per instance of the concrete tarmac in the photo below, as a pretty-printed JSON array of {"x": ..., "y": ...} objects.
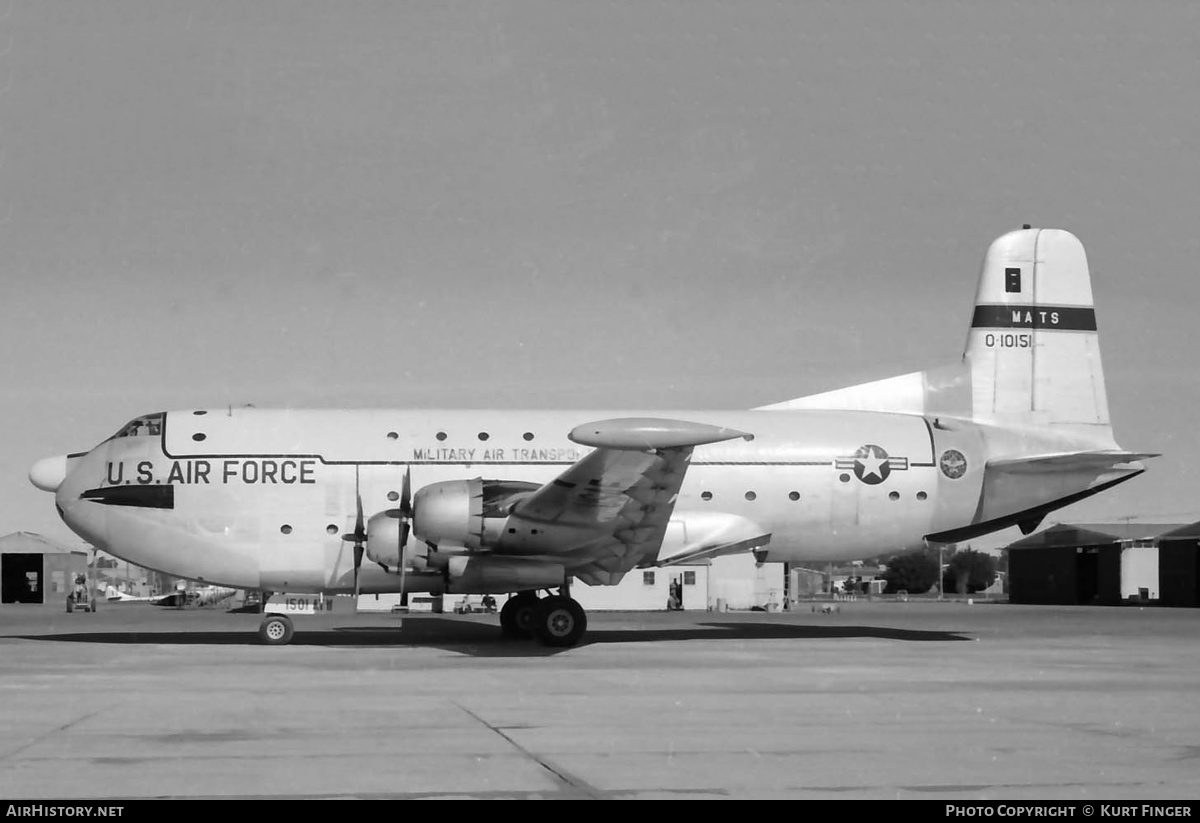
[{"x": 914, "y": 700}]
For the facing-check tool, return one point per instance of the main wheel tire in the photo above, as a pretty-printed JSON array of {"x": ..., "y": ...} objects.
[
  {"x": 560, "y": 621},
  {"x": 517, "y": 616},
  {"x": 276, "y": 630}
]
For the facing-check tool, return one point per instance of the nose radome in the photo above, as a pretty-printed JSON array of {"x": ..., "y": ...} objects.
[{"x": 48, "y": 473}]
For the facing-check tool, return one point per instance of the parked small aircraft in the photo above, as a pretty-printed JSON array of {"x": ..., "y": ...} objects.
[
  {"x": 530, "y": 501},
  {"x": 196, "y": 596},
  {"x": 114, "y": 595}
]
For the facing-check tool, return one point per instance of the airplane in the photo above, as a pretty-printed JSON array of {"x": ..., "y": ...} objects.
[
  {"x": 114, "y": 595},
  {"x": 194, "y": 596},
  {"x": 530, "y": 502}
]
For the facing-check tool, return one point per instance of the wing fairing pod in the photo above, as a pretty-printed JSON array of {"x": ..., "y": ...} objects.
[{"x": 650, "y": 433}]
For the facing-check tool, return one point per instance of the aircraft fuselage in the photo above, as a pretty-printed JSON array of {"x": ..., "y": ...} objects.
[{"x": 262, "y": 499}]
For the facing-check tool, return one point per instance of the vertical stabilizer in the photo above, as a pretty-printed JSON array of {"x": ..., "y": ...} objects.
[{"x": 1033, "y": 349}]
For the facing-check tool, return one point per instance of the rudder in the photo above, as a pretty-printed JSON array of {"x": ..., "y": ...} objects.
[{"x": 1033, "y": 349}]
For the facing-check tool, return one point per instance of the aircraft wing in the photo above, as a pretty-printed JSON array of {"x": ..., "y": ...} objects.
[
  {"x": 121, "y": 597},
  {"x": 609, "y": 512}
]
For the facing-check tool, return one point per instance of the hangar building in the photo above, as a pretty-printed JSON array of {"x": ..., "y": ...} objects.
[
  {"x": 36, "y": 570},
  {"x": 1107, "y": 565}
]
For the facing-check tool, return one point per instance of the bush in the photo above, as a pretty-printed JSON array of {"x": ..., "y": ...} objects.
[
  {"x": 969, "y": 572},
  {"x": 916, "y": 573}
]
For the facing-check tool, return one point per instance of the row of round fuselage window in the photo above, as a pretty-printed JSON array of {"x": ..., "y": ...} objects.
[
  {"x": 441, "y": 436},
  {"x": 706, "y": 496},
  {"x": 794, "y": 496}
]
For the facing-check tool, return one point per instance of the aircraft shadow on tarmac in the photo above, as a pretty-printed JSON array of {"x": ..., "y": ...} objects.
[{"x": 484, "y": 639}]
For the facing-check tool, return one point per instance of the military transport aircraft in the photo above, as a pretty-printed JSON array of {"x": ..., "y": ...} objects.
[{"x": 528, "y": 502}]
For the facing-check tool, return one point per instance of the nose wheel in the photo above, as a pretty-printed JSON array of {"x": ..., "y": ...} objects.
[{"x": 276, "y": 630}]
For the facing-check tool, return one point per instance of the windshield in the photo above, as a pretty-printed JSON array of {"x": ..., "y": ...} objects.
[{"x": 149, "y": 425}]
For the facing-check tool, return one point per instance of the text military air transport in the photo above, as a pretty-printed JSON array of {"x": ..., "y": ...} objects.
[{"x": 528, "y": 502}]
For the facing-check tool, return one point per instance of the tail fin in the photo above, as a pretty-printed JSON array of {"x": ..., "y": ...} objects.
[
  {"x": 1032, "y": 359},
  {"x": 1033, "y": 350}
]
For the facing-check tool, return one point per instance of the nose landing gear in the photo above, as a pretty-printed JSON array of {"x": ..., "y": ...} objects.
[{"x": 276, "y": 630}]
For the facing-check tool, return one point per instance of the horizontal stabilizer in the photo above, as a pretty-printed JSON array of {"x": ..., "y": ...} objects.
[
  {"x": 646, "y": 433},
  {"x": 1068, "y": 461}
]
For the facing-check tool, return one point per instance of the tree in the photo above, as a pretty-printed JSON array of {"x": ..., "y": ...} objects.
[
  {"x": 970, "y": 571},
  {"x": 915, "y": 572}
]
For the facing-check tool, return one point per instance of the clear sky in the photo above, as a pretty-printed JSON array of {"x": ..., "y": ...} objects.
[{"x": 576, "y": 204}]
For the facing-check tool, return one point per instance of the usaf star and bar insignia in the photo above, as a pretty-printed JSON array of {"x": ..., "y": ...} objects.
[{"x": 871, "y": 464}]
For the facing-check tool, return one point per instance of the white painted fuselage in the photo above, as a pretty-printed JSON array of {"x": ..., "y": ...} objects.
[
  {"x": 524, "y": 500},
  {"x": 255, "y": 498}
]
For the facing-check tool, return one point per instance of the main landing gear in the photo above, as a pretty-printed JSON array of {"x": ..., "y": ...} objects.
[{"x": 556, "y": 620}]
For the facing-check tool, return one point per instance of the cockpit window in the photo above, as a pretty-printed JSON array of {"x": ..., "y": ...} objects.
[{"x": 149, "y": 425}]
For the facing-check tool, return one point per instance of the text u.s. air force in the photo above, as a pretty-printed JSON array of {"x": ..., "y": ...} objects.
[{"x": 288, "y": 471}]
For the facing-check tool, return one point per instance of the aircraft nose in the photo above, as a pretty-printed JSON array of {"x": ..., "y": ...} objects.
[{"x": 48, "y": 474}]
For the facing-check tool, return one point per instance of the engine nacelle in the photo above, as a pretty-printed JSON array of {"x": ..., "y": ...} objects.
[
  {"x": 487, "y": 574},
  {"x": 383, "y": 543},
  {"x": 467, "y": 513}
]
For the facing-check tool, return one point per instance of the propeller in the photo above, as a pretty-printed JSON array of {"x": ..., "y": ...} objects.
[
  {"x": 358, "y": 536},
  {"x": 405, "y": 513},
  {"x": 406, "y": 509}
]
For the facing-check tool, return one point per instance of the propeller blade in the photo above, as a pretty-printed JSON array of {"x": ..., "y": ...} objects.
[
  {"x": 403, "y": 572},
  {"x": 359, "y": 534},
  {"x": 405, "y": 525},
  {"x": 358, "y": 555},
  {"x": 406, "y": 509}
]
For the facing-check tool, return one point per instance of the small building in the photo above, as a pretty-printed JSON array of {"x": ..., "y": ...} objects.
[
  {"x": 1106, "y": 565},
  {"x": 650, "y": 590},
  {"x": 1179, "y": 566},
  {"x": 735, "y": 582},
  {"x": 806, "y": 583},
  {"x": 35, "y": 570}
]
